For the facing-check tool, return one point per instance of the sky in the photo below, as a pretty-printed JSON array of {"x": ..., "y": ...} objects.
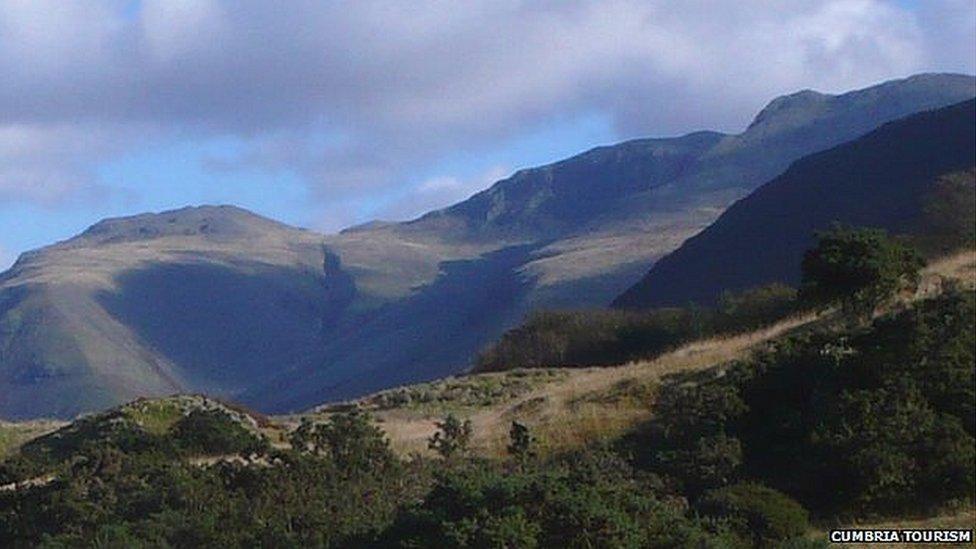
[{"x": 325, "y": 114}]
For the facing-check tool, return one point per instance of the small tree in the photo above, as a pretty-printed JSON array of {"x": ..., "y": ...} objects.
[
  {"x": 860, "y": 268},
  {"x": 452, "y": 437},
  {"x": 521, "y": 445},
  {"x": 351, "y": 440}
]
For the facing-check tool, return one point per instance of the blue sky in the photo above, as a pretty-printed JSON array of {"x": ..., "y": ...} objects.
[{"x": 327, "y": 114}]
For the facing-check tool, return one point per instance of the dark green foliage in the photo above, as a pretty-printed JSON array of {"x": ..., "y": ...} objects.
[
  {"x": 452, "y": 437},
  {"x": 214, "y": 432},
  {"x": 521, "y": 444},
  {"x": 610, "y": 337},
  {"x": 762, "y": 516},
  {"x": 859, "y": 268},
  {"x": 287, "y": 499},
  {"x": 587, "y": 500},
  {"x": 879, "y": 420},
  {"x": 350, "y": 440},
  {"x": 587, "y": 338}
]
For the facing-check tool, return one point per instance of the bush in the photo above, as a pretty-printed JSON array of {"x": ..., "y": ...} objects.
[
  {"x": 350, "y": 440},
  {"x": 612, "y": 337},
  {"x": 452, "y": 437},
  {"x": 759, "y": 514},
  {"x": 214, "y": 432},
  {"x": 859, "y": 268},
  {"x": 949, "y": 215},
  {"x": 876, "y": 420},
  {"x": 587, "y": 500}
]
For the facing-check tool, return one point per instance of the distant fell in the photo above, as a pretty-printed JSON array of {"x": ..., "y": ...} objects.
[{"x": 882, "y": 179}]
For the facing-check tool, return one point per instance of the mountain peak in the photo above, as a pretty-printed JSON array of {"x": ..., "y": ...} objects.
[
  {"x": 215, "y": 222},
  {"x": 789, "y": 107},
  {"x": 902, "y": 96}
]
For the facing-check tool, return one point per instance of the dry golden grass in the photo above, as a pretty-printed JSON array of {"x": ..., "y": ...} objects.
[
  {"x": 960, "y": 267},
  {"x": 585, "y": 406},
  {"x": 592, "y": 404},
  {"x": 13, "y": 435}
]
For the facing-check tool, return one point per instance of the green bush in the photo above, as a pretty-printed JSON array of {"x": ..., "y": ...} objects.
[
  {"x": 612, "y": 337},
  {"x": 878, "y": 420},
  {"x": 350, "y": 440},
  {"x": 859, "y": 268},
  {"x": 759, "y": 514},
  {"x": 588, "y": 500},
  {"x": 451, "y": 438},
  {"x": 214, "y": 432},
  {"x": 949, "y": 215}
]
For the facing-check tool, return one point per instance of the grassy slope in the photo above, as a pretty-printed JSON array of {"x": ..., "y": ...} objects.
[
  {"x": 13, "y": 435},
  {"x": 568, "y": 408},
  {"x": 565, "y": 408}
]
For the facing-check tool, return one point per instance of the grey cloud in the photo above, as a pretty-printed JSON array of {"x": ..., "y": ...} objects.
[{"x": 393, "y": 85}]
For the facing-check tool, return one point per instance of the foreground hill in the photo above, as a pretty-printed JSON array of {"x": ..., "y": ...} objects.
[
  {"x": 221, "y": 301},
  {"x": 883, "y": 179}
]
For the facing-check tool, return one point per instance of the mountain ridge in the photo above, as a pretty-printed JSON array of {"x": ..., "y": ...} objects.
[
  {"x": 283, "y": 317},
  {"x": 761, "y": 238}
]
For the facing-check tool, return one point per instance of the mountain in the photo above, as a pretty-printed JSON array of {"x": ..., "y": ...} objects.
[
  {"x": 209, "y": 299},
  {"x": 433, "y": 291},
  {"x": 219, "y": 300},
  {"x": 882, "y": 179}
]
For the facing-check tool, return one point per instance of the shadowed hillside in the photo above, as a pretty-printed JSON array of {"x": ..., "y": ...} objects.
[
  {"x": 883, "y": 179},
  {"x": 219, "y": 300}
]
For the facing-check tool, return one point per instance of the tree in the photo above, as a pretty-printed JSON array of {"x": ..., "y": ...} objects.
[
  {"x": 350, "y": 439},
  {"x": 521, "y": 443},
  {"x": 858, "y": 267},
  {"x": 452, "y": 437}
]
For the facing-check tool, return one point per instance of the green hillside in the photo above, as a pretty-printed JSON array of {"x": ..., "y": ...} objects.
[{"x": 759, "y": 439}]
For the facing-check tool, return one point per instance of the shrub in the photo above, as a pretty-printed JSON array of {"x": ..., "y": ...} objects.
[
  {"x": 586, "y": 500},
  {"x": 611, "y": 337},
  {"x": 452, "y": 437},
  {"x": 214, "y": 432},
  {"x": 759, "y": 514},
  {"x": 860, "y": 268},
  {"x": 874, "y": 420},
  {"x": 521, "y": 443},
  {"x": 949, "y": 214},
  {"x": 349, "y": 439}
]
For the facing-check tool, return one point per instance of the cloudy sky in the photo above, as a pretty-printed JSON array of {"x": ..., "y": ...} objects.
[{"x": 325, "y": 114}]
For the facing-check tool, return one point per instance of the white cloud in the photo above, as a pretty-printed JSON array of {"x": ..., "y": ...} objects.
[
  {"x": 50, "y": 164},
  {"x": 353, "y": 96}
]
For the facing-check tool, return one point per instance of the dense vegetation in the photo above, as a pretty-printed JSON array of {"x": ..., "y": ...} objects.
[
  {"x": 611, "y": 337},
  {"x": 851, "y": 417},
  {"x": 878, "y": 420}
]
